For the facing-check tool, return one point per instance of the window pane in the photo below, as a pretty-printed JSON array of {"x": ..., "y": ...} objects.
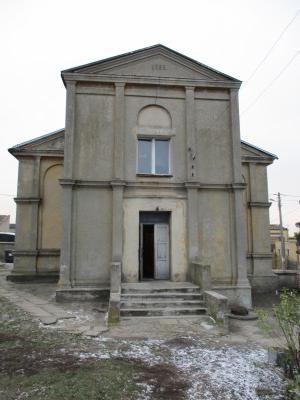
[
  {"x": 144, "y": 154},
  {"x": 162, "y": 156}
]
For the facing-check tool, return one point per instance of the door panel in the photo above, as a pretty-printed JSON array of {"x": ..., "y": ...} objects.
[{"x": 161, "y": 244}]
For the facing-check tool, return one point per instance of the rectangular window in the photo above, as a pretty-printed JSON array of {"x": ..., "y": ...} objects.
[{"x": 153, "y": 156}]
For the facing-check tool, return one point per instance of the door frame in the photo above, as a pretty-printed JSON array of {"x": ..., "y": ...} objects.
[{"x": 159, "y": 217}]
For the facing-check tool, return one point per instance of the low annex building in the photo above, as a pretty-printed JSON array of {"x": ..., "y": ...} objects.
[{"x": 150, "y": 174}]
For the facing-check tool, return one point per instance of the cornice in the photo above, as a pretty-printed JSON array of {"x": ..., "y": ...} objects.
[
  {"x": 259, "y": 204},
  {"x": 25, "y": 253},
  {"x": 151, "y": 184},
  {"x": 259, "y": 255},
  {"x": 257, "y": 160},
  {"x": 215, "y": 186},
  {"x": 33, "y": 153},
  {"x": 27, "y": 200},
  {"x": 149, "y": 80}
]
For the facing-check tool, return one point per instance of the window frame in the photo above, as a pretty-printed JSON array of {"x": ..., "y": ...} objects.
[{"x": 153, "y": 139}]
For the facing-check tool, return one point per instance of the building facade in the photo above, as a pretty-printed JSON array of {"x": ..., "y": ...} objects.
[
  {"x": 150, "y": 173},
  {"x": 291, "y": 256}
]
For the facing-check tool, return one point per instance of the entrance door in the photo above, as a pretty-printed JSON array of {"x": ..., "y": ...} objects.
[
  {"x": 161, "y": 246},
  {"x": 154, "y": 245}
]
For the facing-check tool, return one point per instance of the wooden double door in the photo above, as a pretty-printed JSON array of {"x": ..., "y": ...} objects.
[{"x": 154, "y": 246}]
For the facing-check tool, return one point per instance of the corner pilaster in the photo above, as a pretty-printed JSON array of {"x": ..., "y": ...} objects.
[
  {"x": 28, "y": 202},
  {"x": 65, "y": 278},
  {"x": 239, "y": 223}
]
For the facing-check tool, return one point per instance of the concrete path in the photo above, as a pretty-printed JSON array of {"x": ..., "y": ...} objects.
[
  {"x": 73, "y": 318},
  {"x": 88, "y": 318}
]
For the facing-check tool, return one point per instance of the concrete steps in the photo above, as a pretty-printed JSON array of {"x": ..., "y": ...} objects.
[{"x": 161, "y": 299}]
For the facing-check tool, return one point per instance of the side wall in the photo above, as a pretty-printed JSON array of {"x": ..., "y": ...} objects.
[
  {"x": 38, "y": 220},
  {"x": 256, "y": 203}
]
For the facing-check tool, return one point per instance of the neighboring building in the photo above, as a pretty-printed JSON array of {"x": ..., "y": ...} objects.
[
  {"x": 4, "y": 223},
  {"x": 7, "y": 239},
  {"x": 12, "y": 228},
  {"x": 291, "y": 256},
  {"x": 7, "y": 244},
  {"x": 151, "y": 175}
]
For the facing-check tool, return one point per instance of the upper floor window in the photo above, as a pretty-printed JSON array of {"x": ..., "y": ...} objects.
[{"x": 153, "y": 156}]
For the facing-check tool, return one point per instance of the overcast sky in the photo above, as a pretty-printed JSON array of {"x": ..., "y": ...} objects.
[{"x": 39, "y": 38}]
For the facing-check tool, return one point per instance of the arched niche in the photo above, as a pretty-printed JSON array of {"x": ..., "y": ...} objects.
[
  {"x": 154, "y": 116},
  {"x": 51, "y": 208}
]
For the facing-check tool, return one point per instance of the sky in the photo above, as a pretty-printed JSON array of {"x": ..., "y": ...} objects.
[{"x": 252, "y": 40}]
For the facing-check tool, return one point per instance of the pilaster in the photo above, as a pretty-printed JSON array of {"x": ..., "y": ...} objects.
[
  {"x": 119, "y": 131},
  {"x": 28, "y": 217},
  {"x": 192, "y": 223},
  {"x": 117, "y": 221},
  {"x": 239, "y": 223},
  {"x": 65, "y": 279},
  {"x": 191, "y": 145}
]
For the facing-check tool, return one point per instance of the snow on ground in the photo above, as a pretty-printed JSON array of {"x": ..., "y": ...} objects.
[{"x": 213, "y": 370}]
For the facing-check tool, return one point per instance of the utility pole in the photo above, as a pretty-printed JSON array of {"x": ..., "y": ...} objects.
[{"x": 283, "y": 258}]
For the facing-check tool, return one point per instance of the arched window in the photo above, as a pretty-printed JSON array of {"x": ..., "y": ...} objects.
[{"x": 154, "y": 126}]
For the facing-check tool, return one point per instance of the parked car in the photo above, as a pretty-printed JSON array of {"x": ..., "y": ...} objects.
[{"x": 7, "y": 241}]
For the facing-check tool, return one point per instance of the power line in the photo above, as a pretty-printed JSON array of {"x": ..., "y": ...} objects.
[
  {"x": 271, "y": 83},
  {"x": 291, "y": 212},
  {"x": 8, "y": 195},
  {"x": 270, "y": 50},
  {"x": 289, "y": 195}
]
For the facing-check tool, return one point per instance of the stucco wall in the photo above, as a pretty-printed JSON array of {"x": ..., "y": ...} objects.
[
  {"x": 92, "y": 231},
  {"x": 93, "y": 154},
  {"x": 214, "y": 148},
  {"x": 51, "y": 205},
  {"x": 215, "y": 234}
]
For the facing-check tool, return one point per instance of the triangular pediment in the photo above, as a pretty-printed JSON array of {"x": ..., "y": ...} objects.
[
  {"x": 250, "y": 151},
  {"x": 51, "y": 143},
  {"x": 155, "y": 61}
]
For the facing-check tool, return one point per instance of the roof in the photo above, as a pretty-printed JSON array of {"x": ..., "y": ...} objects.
[
  {"x": 36, "y": 140},
  {"x": 267, "y": 153},
  {"x": 151, "y": 50}
]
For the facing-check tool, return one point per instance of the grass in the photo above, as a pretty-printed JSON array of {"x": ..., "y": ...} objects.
[{"x": 37, "y": 363}]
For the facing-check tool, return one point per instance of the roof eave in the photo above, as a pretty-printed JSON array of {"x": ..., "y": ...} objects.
[{"x": 267, "y": 153}]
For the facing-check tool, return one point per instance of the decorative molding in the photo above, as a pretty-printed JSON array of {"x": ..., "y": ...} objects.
[
  {"x": 37, "y": 152},
  {"x": 154, "y": 196},
  {"x": 25, "y": 253},
  {"x": 92, "y": 184},
  {"x": 257, "y": 159},
  {"x": 118, "y": 183},
  {"x": 157, "y": 183},
  {"x": 49, "y": 252},
  {"x": 147, "y": 80},
  {"x": 215, "y": 186},
  {"x": 27, "y": 200},
  {"x": 143, "y": 131},
  {"x": 67, "y": 182},
  {"x": 259, "y": 204},
  {"x": 259, "y": 255}
]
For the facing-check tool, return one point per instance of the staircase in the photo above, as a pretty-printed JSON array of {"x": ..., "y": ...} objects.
[{"x": 161, "y": 299}]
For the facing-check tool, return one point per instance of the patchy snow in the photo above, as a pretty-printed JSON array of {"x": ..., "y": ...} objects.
[
  {"x": 227, "y": 373},
  {"x": 213, "y": 370}
]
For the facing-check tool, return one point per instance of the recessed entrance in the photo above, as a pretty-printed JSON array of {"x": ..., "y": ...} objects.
[{"x": 154, "y": 245}]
